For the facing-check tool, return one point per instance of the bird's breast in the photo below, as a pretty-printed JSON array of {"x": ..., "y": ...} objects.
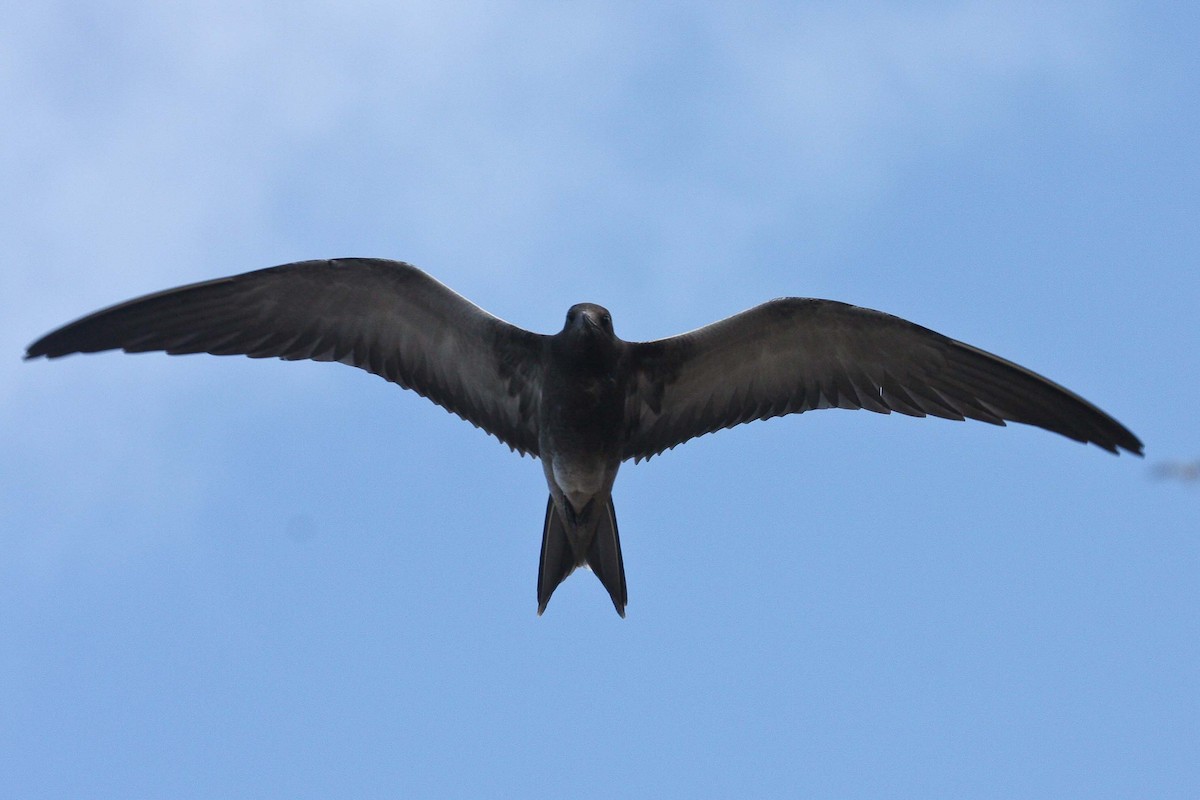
[{"x": 581, "y": 413}]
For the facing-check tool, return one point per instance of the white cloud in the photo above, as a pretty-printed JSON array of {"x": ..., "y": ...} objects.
[
  {"x": 150, "y": 144},
  {"x": 838, "y": 95},
  {"x": 148, "y": 136}
]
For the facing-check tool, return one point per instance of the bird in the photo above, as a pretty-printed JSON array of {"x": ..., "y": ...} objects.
[{"x": 583, "y": 400}]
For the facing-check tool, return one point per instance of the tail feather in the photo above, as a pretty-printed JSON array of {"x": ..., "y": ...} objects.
[
  {"x": 604, "y": 557},
  {"x": 558, "y": 559},
  {"x": 603, "y": 553}
]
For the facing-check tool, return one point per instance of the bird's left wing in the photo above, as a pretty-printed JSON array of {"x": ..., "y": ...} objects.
[
  {"x": 797, "y": 354},
  {"x": 385, "y": 317}
]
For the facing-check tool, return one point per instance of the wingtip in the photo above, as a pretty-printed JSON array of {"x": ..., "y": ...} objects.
[
  {"x": 1129, "y": 444},
  {"x": 1130, "y": 448}
]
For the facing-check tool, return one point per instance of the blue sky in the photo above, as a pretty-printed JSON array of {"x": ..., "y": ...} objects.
[{"x": 232, "y": 578}]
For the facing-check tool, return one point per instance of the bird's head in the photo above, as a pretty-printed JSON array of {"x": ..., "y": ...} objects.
[{"x": 590, "y": 321}]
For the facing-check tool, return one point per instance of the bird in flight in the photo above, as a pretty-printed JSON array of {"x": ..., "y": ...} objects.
[{"x": 583, "y": 400}]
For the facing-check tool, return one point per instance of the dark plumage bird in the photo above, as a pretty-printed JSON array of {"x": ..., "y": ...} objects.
[{"x": 583, "y": 400}]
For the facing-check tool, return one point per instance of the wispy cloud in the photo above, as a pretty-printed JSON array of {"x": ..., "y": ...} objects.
[
  {"x": 148, "y": 138},
  {"x": 148, "y": 145}
]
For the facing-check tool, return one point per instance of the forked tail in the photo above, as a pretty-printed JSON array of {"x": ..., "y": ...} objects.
[{"x": 593, "y": 543}]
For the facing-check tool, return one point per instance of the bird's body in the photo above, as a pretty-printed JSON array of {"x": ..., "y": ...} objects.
[
  {"x": 581, "y": 413},
  {"x": 581, "y": 420},
  {"x": 584, "y": 400}
]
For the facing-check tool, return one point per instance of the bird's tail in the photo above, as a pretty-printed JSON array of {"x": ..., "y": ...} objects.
[
  {"x": 602, "y": 553},
  {"x": 604, "y": 556}
]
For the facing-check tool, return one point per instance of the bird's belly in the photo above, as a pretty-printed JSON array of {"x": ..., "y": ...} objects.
[{"x": 580, "y": 479}]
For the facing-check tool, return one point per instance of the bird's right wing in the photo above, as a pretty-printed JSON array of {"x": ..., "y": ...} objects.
[
  {"x": 385, "y": 317},
  {"x": 797, "y": 354}
]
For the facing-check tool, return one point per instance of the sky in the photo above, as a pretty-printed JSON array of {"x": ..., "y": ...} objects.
[{"x": 226, "y": 578}]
